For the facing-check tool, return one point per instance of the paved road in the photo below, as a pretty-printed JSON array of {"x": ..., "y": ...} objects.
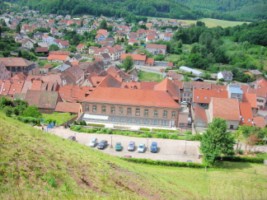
[{"x": 171, "y": 150}]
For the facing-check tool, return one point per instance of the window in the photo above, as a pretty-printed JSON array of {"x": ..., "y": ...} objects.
[
  {"x": 94, "y": 108},
  {"x": 87, "y": 108},
  {"x": 103, "y": 109},
  {"x": 173, "y": 113},
  {"x": 146, "y": 113},
  {"x": 155, "y": 113},
  {"x": 231, "y": 126},
  {"x": 129, "y": 111},
  {"x": 165, "y": 113},
  {"x": 112, "y": 110},
  {"x": 137, "y": 112},
  {"x": 121, "y": 110}
]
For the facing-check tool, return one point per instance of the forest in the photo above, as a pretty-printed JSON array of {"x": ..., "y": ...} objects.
[
  {"x": 237, "y": 48},
  {"x": 245, "y": 10}
]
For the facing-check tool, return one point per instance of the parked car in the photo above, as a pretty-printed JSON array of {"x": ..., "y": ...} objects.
[
  {"x": 141, "y": 148},
  {"x": 154, "y": 147},
  {"x": 118, "y": 146},
  {"x": 131, "y": 146},
  {"x": 93, "y": 142},
  {"x": 102, "y": 144},
  {"x": 72, "y": 138}
]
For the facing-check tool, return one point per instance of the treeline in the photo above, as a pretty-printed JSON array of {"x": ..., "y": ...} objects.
[
  {"x": 132, "y": 10},
  {"x": 230, "y": 9}
]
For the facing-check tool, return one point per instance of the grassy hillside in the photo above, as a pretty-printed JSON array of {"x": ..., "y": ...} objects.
[{"x": 37, "y": 165}]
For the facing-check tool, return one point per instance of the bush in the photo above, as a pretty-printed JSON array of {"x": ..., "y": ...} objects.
[
  {"x": 30, "y": 120},
  {"x": 32, "y": 111},
  {"x": 144, "y": 129},
  {"x": 96, "y": 125},
  {"x": 164, "y": 163},
  {"x": 8, "y": 111},
  {"x": 241, "y": 159},
  {"x": 83, "y": 123}
]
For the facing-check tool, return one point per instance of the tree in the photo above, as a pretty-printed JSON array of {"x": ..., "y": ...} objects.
[
  {"x": 53, "y": 47},
  {"x": 128, "y": 63},
  {"x": 216, "y": 141},
  {"x": 103, "y": 25},
  {"x": 32, "y": 111}
]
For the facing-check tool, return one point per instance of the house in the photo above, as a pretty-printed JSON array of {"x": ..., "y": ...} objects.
[
  {"x": 260, "y": 89},
  {"x": 17, "y": 65},
  {"x": 45, "y": 101},
  {"x": 173, "y": 75},
  {"x": 73, "y": 75},
  {"x": 133, "y": 41},
  {"x": 227, "y": 109},
  {"x": 199, "y": 116},
  {"x": 42, "y": 51},
  {"x": 150, "y": 61},
  {"x": 11, "y": 87},
  {"x": 130, "y": 107},
  {"x": 246, "y": 115},
  {"x": 66, "y": 107},
  {"x": 27, "y": 43},
  {"x": 62, "y": 44},
  {"x": 156, "y": 49},
  {"x": 254, "y": 73},
  {"x": 168, "y": 86},
  {"x": 81, "y": 47},
  {"x": 74, "y": 93},
  {"x": 139, "y": 59},
  {"x": 225, "y": 75},
  {"x": 235, "y": 92},
  {"x": 202, "y": 97},
  {"x": 58, "y": 56}
]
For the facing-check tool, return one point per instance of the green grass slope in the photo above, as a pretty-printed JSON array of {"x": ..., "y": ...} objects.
[{"x": 37, "y": 165}]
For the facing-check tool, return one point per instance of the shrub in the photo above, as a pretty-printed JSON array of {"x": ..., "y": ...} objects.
[
  {"x": 144, "y": 129},
  {"x": 29, "y": 120},
  {"x": 96, "y": 125},
  {"x": 83, "y": 123},
  {"x": 164, "y": 163},
  {"x": 32, "y": 111},
  {"x": 241, "y": 159},
  {"x": 8, "y": 111}
]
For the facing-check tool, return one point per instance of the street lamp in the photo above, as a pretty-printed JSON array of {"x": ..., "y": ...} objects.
[
  {"x": 111, "y": 141},
  {"x": 185, "y": 147}
]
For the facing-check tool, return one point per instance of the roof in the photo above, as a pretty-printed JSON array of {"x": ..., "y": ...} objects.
[
  {"x": 246, "y": 113},
  {"x": 109, "y": 81},
  {"x": 205, "y": 95},
  {"x": 132, "y": 97},
  {"x": 227, "y": 109},
  {"x": 58, "y": 57},
  {"x": 15, "y": 62},
  {"x": 73, "y": 93},
  {"x": 156, "y": 46},
  {"x": 147, "y": 85},
  {"x": 251, "y": 99},
  {"x": 259, "y": 122},
  {"x": 68, "y": 107},
  {"x": 235, "y": 89},
  {"x": 42, "y": 99},
  {"x": 136, "y": 57},
  {"x": 200, "y": 114},
  {"x": 168, "y": 86}
]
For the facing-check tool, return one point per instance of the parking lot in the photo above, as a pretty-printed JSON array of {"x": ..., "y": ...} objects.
[{"x": 171, "y": 150}]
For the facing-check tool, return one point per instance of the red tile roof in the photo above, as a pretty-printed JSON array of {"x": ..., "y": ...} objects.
[
  {"x": 58, "y": 57},
  {"x": 251, "y": 99},
  {"x": 15, "y": 62},
  {"x": 156, "y": 46},
  {"x": 148, "y": 85},
  {"x": 204, "y": 95},
  {"x": 73, "y": 93},
  {"x": 135, "y": 57},
  {"x": 200, "y": 114},
  {"x": 132, "y": 97},
  {"x": 227, "y": 109},
  {"x": 168, "y": 86},
  {"x": 68, "y": 107},
  {"x": 259, "y": 122},
  {"x": 246, "y": 113}
]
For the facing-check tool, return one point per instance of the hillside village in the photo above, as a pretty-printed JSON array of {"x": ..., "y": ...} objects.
[{"x": 90, "y": 80}]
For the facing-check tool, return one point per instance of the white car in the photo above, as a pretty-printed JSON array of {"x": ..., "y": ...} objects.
[
  {"x": 141, "y": 148},
  {"x": 93, "y": 142}
]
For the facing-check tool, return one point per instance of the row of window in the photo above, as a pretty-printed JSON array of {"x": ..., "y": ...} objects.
[{"x": 129, "y": 111}]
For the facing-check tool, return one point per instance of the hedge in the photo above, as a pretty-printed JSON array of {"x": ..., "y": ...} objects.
[
  {"x": 165, "y": 163},
  {"x": 29, "y": 120},
  {"x": 241, "y": 159}
]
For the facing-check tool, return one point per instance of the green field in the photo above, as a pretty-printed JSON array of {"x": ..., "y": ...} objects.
[
  {"x": 60, "y": 118},
  {"x": 37, "y": 165},
  {"x": 149, "y": 76}
]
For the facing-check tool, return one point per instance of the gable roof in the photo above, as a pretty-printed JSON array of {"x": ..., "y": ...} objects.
[
  {"x": 156, "y": 46},
  {"x": 135, "y": 57},
  {"x": 15, "y": 62},
  {"x": 259, "y": 122},
  {"x": 204, "y": 95},
  {"x": 68, "y": 107},
  {"x": 169, "y": 87},
  {"x": 251, "y": 99},
  {"x": 42, "y": 99},
  {"x": 132, "y": 97},
  {"x": 246, "y": 113},
  {"x": 109, "y": 81},
  {"x": 73, "y": 93},
  {"x": 200, "y": 114},
  {"x": 227, "y": 109}
]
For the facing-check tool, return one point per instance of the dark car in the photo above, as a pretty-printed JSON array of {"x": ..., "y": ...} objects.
[
  {"x": 118, "y": 146},
  {"x": 102, "y": 144},
  {"x": 154, "y": 147}
]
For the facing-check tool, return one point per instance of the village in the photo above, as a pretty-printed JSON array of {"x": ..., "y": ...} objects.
[{"x": 100, "y": 82}]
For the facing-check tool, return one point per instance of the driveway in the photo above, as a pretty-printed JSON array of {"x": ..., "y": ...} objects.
[{"x": 169, "y": 150}]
